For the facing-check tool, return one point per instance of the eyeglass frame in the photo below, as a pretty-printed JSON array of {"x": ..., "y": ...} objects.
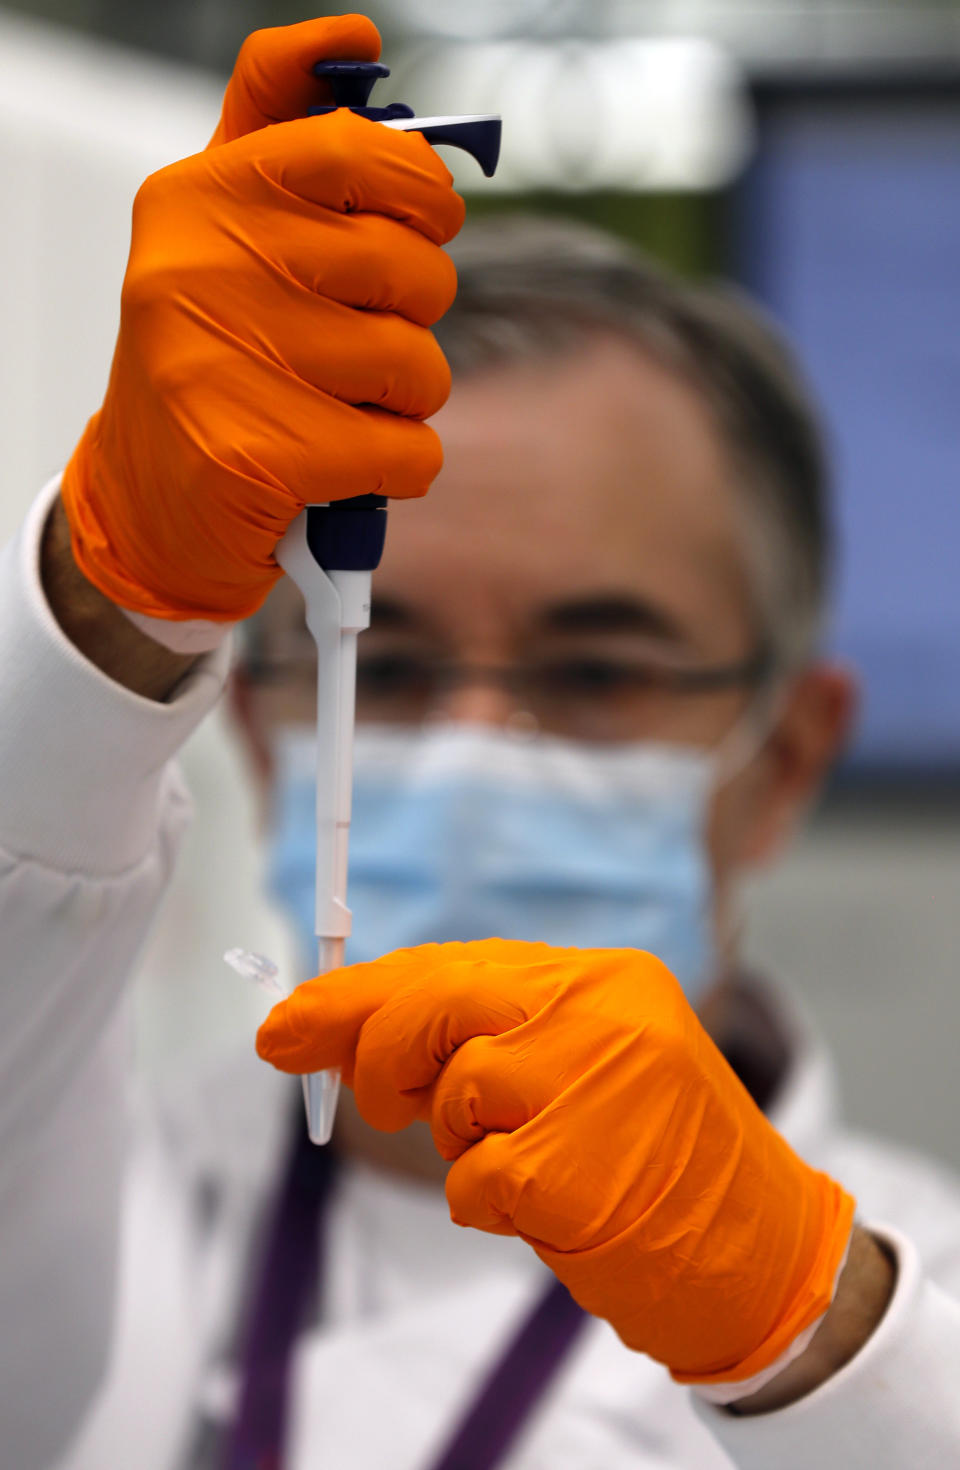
[{"x": 751, "y": 672}]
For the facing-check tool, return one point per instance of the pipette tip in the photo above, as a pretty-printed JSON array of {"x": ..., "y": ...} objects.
[{"x": 320, "y": 1093}]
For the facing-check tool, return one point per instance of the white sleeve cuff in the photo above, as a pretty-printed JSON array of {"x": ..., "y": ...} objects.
[
  {"x": 82, "y": 759},
  {"x": 728, "y": 1393},
  {"x": 895, "y": 1404},
  {"x": 197, "y": 635}
]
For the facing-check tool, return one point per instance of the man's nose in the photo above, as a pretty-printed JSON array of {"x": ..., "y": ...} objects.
[{"x": 477, "y": 702}]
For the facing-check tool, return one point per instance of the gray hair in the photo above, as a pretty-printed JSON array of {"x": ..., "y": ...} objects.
[{"x": 531, "y": 287}]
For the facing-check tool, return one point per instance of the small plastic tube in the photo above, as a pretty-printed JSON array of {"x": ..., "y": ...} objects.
[
  {"x": 320, "y": 1089},
  {"x": 259, "y": 969}
]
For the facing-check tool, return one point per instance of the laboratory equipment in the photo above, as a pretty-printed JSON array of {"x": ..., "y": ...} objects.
[
  {"x": 257, "y": 968},
  {"x": 330, "y": 552}
]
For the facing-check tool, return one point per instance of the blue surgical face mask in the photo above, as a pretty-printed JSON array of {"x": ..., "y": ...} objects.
[{"x": 467, "y": 832}]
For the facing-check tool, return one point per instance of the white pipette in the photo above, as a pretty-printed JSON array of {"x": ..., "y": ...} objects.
[
  {"x": 330, "y": 552},
  {"x": 338, "y": 609}
]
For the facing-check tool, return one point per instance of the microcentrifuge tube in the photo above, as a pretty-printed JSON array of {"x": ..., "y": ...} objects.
[{"x": 258, "y": 968}]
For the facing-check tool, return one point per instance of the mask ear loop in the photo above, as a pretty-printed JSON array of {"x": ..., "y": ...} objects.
[
  {"x": 731, "y": 757},
  {"x": 749, "y": 732}
]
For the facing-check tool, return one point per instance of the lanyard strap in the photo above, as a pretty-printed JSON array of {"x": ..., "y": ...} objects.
[
  {"x": 515, "y": 1384},
  {"x": 290, "y": 1273},
  {"x": 285, "y": 1289}
]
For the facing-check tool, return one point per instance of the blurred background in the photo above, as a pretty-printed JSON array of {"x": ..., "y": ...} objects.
[{"x": 807, "y": 149}]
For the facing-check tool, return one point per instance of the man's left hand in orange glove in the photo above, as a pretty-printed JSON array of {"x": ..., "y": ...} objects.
[{"x": 585, "y": 1109}]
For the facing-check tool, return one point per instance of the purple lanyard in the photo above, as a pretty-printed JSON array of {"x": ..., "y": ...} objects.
[{"x": 290, "y": 1273}]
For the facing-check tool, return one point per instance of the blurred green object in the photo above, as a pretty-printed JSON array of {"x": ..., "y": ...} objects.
[{"x": 684, "y": 230}]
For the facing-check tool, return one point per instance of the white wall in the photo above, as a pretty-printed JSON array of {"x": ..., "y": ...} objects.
[
  {"x": 81, "y": 125},
  {"x": 864, "y": 918}
]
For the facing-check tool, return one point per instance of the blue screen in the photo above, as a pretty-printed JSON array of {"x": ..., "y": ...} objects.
[{"x": 851, "y": 235}]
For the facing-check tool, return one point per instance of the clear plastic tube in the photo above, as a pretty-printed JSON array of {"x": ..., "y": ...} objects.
[
  {"x": 259, "y": 969},
  {"x": 321, "y": 1090}
]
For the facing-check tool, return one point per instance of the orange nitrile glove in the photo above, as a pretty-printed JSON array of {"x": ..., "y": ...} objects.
[
  {"x": 274, "y": 345},
  {"x": 588, "y": 1111}
]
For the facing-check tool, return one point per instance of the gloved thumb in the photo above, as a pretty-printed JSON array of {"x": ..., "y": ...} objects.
[{"x": 273, "y": 77}]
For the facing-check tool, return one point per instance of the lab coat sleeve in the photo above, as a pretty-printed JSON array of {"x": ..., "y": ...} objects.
[
  {"x": 895, "y": 1404},
  {"x": 91, "y": 813}
]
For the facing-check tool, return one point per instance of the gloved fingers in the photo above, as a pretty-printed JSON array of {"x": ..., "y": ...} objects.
[
  {"x": 343, "y": 450},
  {"x": 260, "y": 478},
  {"x": 551, "y": 1180},
  {"x": 301, "y": 1035},
  {"x": 575, "y": 1113},
  {"x": 273, "y": 77},
  {"x": 482, "y": 1186},
  {"x": 398, "y": 1019},
  {"x": 392, "y": 455},
  {"x": 405, "y": 1044},
  {"x": 496, "y": 1084},
  {"x": 362, "y": 260},
  {"x": 359, "y": 357},
  {"x": 297, "y": 441},
  {"x": 296, "y": 446},
  {"x": 221, "y": 218},
  {"x": 319, "y": 1024},
  {"x": 346, "y": 163}
]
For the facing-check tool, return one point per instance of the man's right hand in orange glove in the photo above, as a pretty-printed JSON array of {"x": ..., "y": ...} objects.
[{"x": 274, "y": 346}]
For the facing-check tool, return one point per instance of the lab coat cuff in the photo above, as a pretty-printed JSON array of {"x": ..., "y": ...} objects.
[
  {"x": 728, "y": 1393},
  {"x": 894, "y": 1403},
  {"x": 84, "y": 762}
]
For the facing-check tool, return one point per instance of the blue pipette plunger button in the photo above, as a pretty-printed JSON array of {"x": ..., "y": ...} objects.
[
  {"x": 351, "y": 83},
  {"x": 348, "y": 535}
]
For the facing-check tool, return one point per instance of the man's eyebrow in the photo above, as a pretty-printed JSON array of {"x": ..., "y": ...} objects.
[
  {"x": 387, "y": 612},
  {"x": 610, "y": 613}
]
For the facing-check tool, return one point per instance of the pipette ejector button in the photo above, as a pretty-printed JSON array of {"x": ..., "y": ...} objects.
[{"x": 351, "y": 83}]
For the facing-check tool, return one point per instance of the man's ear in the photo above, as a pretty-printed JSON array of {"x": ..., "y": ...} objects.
[{"x": 813, "y": 726}]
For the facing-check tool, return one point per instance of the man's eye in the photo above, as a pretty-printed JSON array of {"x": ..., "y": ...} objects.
[
  {"x": 379, "y": 675},
  {"x": 589, "y": 676}
]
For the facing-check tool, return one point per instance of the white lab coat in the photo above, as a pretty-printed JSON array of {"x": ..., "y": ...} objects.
[{"x": 124, "y": 1228}]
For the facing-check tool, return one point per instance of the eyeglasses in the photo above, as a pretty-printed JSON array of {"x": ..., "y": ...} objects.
[{"x": 586, "y": 697}]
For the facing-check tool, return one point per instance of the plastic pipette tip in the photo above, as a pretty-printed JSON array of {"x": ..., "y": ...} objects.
[
  {"x": 320, "y": 1093},
  {"x": 321, "y": 1090}
]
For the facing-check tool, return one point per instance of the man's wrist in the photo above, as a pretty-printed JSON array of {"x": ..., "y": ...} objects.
[
  {"x": 863, "y": 1294},
  {"x": 97, "y": 627}
]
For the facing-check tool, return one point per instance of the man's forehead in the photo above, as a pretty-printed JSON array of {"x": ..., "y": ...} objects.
[
  {"x": 599, "y": 476},
  {"x": 604, "y": 437},
  {"x": 577, "y": 494}
]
